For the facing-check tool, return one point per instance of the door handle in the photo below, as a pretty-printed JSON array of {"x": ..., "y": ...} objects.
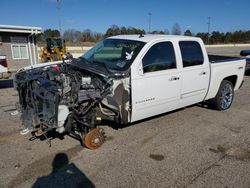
[
  {"x": 174, "y": 78},
  {"x": 203, "y": 73}
]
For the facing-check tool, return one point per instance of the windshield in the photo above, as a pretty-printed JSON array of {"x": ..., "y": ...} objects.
[{"x": 116, "y": 54}]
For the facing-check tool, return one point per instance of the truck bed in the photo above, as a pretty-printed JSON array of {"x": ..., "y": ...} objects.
[
  {"x": 222, "y": 67},
  {"x": 220, "y": 58}
]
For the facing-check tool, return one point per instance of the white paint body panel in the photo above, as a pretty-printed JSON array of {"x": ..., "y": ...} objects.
[
  {"x": 219, "y": 71},
  {"x": 194, "y": 84},
  {"x": 153, "y": 93},
  {"x": 195, "y": 80}
]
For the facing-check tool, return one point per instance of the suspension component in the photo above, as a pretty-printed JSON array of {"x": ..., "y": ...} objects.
[{"x": 94, "y": 139}]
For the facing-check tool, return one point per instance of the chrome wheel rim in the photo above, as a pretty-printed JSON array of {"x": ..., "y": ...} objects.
[{"x": 226, "y": 96}]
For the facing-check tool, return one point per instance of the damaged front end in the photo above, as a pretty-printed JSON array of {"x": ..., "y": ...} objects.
[
  {"x": 65, "y": 98},
  {"x": 74, "y": 97}
]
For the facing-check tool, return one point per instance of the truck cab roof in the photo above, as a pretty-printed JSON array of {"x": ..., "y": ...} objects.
[{"x": 153, "y": 37}]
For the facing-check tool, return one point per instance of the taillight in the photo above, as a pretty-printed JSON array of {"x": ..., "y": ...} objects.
[{"x": 3, "y": 62}]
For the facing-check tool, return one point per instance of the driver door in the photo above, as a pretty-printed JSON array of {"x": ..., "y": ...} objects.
[{"x": 156, "y": 84}]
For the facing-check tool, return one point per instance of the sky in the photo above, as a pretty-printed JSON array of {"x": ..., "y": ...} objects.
[{"x": 99, "y": 15}]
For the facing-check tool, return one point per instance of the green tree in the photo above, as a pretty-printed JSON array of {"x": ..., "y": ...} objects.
[
  {"x": 166, "y": 32},
  {"x": 158, "y": 32},
  {"x": 72, "y": 36},
  {"x": 188, "y": 33},
  {"x": 176, "y": 30},
  {"x": 115, "y": 30},
  {"x": 87, "y": 35},
  {"x": 229, "y": 37},
  {"x": 217, "y": 37},
  {"x": 51, "y": 33},
  {"x": 203, "y": 36},
  {"x": 48, "y": 33}
]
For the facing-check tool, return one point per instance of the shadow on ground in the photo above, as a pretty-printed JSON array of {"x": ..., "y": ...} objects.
[
  {"x": 64, "y": 174},
  {"x": 6, "y": 84},
  {"x": 57, "y": 171}
]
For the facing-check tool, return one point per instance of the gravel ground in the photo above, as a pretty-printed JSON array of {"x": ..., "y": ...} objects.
[{"x": 191, "y": 147}]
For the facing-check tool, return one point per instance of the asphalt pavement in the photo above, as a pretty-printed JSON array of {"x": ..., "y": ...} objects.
[{"x": 191, "y": 147}]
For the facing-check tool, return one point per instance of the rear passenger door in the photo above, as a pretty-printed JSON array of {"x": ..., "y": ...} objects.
[
  {"x": 156, "y": 85},
  {"x": 195, "y": 73}
]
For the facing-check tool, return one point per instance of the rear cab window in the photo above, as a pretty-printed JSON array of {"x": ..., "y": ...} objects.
[
  {"x": 161, "y": 56},
  {"x": 191, "y": 53}
]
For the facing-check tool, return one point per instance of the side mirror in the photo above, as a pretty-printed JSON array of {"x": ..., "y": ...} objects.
[{"x": 245, "y": 53}]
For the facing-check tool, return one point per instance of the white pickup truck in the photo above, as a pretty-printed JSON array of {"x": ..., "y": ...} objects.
[{"x": 124, "y": 79}]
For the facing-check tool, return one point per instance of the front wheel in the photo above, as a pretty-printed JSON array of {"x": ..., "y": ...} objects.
[{"x": 224, "y": 98}]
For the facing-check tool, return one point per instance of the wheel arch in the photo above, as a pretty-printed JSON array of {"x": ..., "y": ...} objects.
[
  {"x": 232, "y": 79},
  {"x": 216, "y": 102}
]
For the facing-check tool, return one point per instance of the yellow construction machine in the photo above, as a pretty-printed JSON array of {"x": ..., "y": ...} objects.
[{"x": 54, "y": 50}]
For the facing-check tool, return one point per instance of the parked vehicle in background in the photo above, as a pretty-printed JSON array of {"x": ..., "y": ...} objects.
[
  {"x": 125, "y": 79},
  {"x": 3, "y": 67},
  {"x": 246, "y": 55}
]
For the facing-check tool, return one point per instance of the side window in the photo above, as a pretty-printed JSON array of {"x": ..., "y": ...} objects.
[
  {"x": 159, "y": 57},
  {"x": 191, "y": 53}
]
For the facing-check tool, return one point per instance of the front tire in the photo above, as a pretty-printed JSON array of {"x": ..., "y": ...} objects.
[{"x": 224, "y": 98}]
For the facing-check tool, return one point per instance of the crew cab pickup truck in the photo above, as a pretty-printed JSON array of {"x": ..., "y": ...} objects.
[{"x": 124, "y": 79}]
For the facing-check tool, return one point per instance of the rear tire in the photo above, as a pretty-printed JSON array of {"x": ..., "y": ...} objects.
[{"x": 224, "y": 98}]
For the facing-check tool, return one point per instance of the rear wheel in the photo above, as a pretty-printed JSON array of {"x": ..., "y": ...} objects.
[{"x": 224, "y": 98}]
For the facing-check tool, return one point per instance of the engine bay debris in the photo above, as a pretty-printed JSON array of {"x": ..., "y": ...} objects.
[{"x": 68, "y": 98}]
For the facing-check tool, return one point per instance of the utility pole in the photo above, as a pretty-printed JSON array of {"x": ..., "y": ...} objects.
[
  {"x": 208, "y": 29},
  {"x": 149, "y": 22},
  {"x": 59, "y": 15}
]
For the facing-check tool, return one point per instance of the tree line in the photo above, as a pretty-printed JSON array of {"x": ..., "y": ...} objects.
[
  {"x": 217, "y": 37},
  {"x": 75, "y": 37}
]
